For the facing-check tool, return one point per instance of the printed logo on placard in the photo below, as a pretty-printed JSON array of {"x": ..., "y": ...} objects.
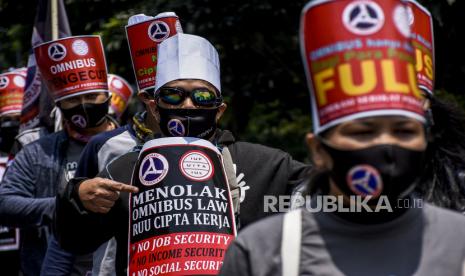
[
  {"x": 79, "y": 121},
  {"x": 158, "y": 31},
  {"x": 19, "y": 81},
  {"x": 363, "y": 17},
  {"x": 400, "y": 17},
  {"x": 153, "y": 169},
  {"x": 196, "y": 166},
  {"x": 80, "y": 47},
  {"x": 176, "y": 128},
  {"x": 410, "y": 15},
  {"x": 4, "y": 81},
  {"x": 56, "y": 51},
  {"x": 117, "y": 83},
  {"x": 365, "y": 180}
]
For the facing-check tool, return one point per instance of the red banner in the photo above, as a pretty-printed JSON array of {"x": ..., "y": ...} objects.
[
  {"x": 421, "y": 24},
  {"x": 22, "y": 71},
  {"x": 11, "y": 92},
  {"x": 359, "y": 60},
  {"x": 143, "y": 40},
  {"x": 181, "y": 220},
  {"x": 72, "y": 66},
  {"x": 121, "y": 92}
]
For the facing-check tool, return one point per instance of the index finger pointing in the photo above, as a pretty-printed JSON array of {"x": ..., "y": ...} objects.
[
  {"x": 128, "y": 188},
  {"x": 120, "y": 187}
]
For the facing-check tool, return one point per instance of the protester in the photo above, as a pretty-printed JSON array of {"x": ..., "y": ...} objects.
[
  {"x": 99, "y": 151},
  {"x": 42, "y": 168},
  {"x": 444, "y": 176},
  {"x": 371, "y": 149},
  {"x": 11, "y": 99},
  {"x": 188, "y": 97},
  {"x": 105, "y": 147}
]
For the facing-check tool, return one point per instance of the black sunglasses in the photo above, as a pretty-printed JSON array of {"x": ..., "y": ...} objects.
[{"x": 200, "y": 96}]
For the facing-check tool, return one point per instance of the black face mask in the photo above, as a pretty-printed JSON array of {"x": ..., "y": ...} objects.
[
  {"x": 387, "y": 170},
  {"x": 200, "y": 123},
  {"x": 8, "y": 132},
  {"x": 86, "y": 115}
]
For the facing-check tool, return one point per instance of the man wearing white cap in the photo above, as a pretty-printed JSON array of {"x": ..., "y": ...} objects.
[
  {"x": 75, "y": 72},
  {"x": 188, "y": 102},
  {"x": 188, "y": 90}
]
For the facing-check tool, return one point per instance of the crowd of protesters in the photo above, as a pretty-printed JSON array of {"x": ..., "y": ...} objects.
[{"x": 166, "y": 191}]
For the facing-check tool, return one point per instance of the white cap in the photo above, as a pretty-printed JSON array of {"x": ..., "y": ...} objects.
[
  {"x": 138, "y": 18},
  {"x": 165, "y": 14},
  {"x": 185, "y": 56}
]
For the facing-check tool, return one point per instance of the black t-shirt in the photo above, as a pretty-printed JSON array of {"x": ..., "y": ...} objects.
[
  {"x": 82, "y": 263},
  {"x": 70, "y": 162}
]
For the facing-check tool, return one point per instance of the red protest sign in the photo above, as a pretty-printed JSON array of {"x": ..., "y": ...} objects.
[
  {"x": 121, "y": 92},
  {"x": 143, "y": 40},
  {"x": 359, "y": 60},
  {"x": 11, "y": 92},
  {"x": 421, "y": 24},
  {"x": 181, "y": 220},
  {"x": 22, "y": 71},
  {"x": 72, "y": 66}
]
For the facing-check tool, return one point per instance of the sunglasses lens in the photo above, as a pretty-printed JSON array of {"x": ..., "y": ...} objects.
[
  {"x": 171, "y": 96},
  {"x": 200, "y": 96},
  {"x": 204, "y": 97}
]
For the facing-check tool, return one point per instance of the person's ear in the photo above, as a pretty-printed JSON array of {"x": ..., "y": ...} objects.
[
  {"x": 153, "y": 109},
  {"x": 221, "y": 110},
  {"x": 144, "y": 97},
  {"x": 320, "y": 157}
]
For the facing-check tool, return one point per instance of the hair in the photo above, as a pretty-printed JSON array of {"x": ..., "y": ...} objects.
[{"x": 443, "y": 181}]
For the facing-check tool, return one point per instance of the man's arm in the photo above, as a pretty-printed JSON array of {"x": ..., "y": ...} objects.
[
  {"x": 18, "y": 207},
  {"x": 89, "y": 211}
]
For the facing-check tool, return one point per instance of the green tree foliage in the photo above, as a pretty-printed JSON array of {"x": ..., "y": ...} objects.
[{"x": 262, "y": 74}]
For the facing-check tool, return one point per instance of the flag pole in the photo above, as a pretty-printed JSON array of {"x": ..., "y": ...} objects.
[{"x": 54, "y": 21}]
